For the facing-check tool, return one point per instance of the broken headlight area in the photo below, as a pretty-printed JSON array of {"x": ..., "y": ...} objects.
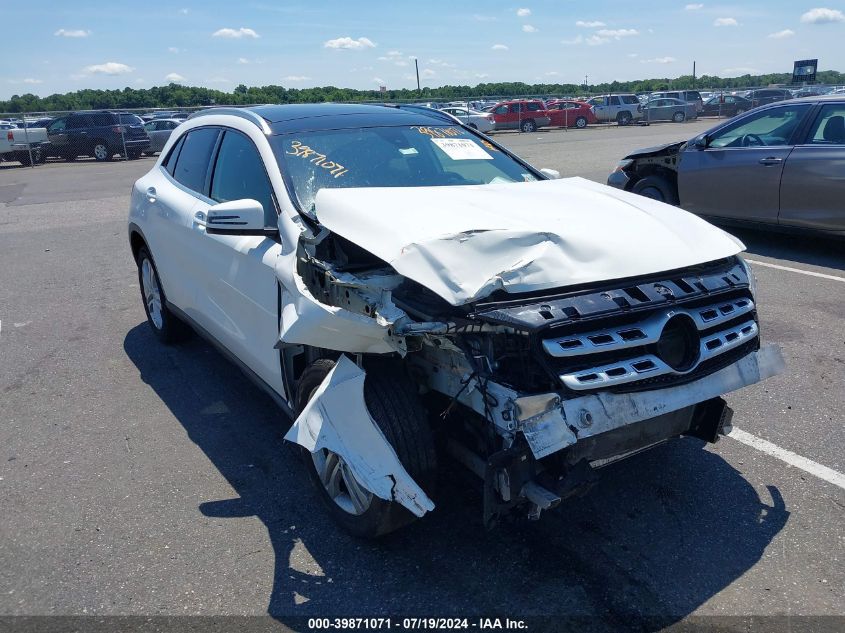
[{"x": 537, "y": 392}]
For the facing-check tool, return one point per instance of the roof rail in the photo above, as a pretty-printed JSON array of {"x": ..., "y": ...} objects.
[{"x": 243, "y": 113}]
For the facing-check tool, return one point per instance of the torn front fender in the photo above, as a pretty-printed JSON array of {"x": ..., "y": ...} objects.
[{"x": 337, "y": 418}]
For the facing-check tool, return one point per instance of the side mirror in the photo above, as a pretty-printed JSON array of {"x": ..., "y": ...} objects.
[
  {"x": 700, "y": 142},
  {"x": 237, "y": 217},
  {"x": 553, "y": 174}
]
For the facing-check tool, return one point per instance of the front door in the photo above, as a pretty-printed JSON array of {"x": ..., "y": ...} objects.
[{"x": 738, "y": 174}]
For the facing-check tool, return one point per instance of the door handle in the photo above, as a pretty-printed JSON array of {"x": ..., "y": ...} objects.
[
  {"x": 771, "y": 160},
  {"x": 151, "y": 194}
]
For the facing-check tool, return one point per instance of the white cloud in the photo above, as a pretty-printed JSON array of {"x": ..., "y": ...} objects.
[
  {"x": 440, "y": 62},
  {"x": 174, "y": 78},
  {"x": 30, "y": 80},
  {"x": 428, "y": 73},
  {"x": 481, "y": 75},
  {"x": 725, "y": 22},
  {"x": 295, "y": 78},
  {"x": 527, "y": 28},
  {"x": 379, "y": 81},
  {"x": 694, "y": 7},
  {"x": 72, "y": 33},
  {"x": 617, "y": 34},
  {"x": 822, "y": 16},
  {"x": 395, "y": 57},
  {"x": 578, "y": 39},
  {"x": 235, "y": 34},
  {"x": 552, "y": 73},
  {"x": 740, "y": 70},
  {"x": 349, "y": 44},
  {"x": 109, "y": 68},
  {"x": 779, "y": 35},
  {"x": 590, "y": 24},
  {"x": 595, "y": 40},
  {"x": 499, "y": 47},
  {"x": 523, "y": 13},
  {"x": 172, "y": 49},
  {"x": 243, "y": 60},
  {"x": 659, "y": 60},
  {"x": 633, "y": 55},
  {"x": 183, "y": 12}
]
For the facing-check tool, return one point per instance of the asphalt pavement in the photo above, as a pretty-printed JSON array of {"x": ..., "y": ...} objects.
[{"x": 137, "y": 479}]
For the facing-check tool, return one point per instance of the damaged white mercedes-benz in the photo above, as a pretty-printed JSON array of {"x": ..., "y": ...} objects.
[{"x": 408, "y": 291}]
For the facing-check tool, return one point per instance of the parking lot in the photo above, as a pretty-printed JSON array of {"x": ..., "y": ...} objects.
[{"x": 143, "y": 480}]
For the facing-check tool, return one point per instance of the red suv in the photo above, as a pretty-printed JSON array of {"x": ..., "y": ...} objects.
[
  {"x": 524, "y": 115},
  {"x": 567, "y": 113}
]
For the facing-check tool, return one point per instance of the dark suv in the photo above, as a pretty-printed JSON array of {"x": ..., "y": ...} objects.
[
  {"x": 765, "y": 96},
  {"x": 99, "y": 134}
]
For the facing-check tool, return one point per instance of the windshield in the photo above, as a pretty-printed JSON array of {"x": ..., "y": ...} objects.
[{"x": 412, "y": 156}]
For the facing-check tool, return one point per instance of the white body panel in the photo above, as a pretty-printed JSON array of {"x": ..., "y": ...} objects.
[{"x": 465, "y": 242}]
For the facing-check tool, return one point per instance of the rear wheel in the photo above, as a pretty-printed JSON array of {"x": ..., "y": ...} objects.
[
  {"x": 656, "y": 188},
  {"x": 165, "y": 325},
  {"x": 528, "y": 125},
  {"x": 100, "y": 151},
  {"x": 581, "y": 122},
  {"x": 623, "y": 118},
  {"x": 134, "y": 154},
  {"x": 679, "y": 117},
  {"x": 394, "y": 405}
]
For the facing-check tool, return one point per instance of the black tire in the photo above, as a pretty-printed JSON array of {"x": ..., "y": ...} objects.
[
  {"x": 100, "y": 151},
  {"x": 393, "y": 403},
  {"x": 528, "y": 126},
  {"x": 134, "y": 154},
  {"x": 581, "y": 122},
  {"x": 656, "y": 188},
  {"x": 679, "y": 117},
  {"x": 624, "y": 118},
  {"x": 170, "y": 329}
]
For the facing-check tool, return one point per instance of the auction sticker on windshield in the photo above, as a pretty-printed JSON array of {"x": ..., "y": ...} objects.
[{"x": 461, "y": 149}]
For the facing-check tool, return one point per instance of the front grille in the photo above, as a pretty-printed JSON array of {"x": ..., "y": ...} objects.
[{"x": 665, "y": 346}]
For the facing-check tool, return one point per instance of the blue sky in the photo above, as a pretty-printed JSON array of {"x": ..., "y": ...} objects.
[{"x": 62, "y": 46}]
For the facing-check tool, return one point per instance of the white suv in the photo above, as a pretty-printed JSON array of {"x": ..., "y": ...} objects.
[{"x": 390, "y": 277}]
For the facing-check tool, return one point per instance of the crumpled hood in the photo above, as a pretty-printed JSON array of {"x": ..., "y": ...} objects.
[{"x": 465, "y": 242}]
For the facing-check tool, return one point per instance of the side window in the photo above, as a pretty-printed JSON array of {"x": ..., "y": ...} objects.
[
  {"x": 57, "y": 126},
  {"x": 75, "y": 121},
  {"x": 514, "y": 107},
  {"x": 771, "y": 128},
  {"x": 533, "y": 107},
  {"x": 150, "y": 126},
  {"x": 502, "y": 110},
  {"x": 101, "y": 119},
  {"x": 829, "y": 127},
  {"x": 239, "y": 173},
  {"x": 630, "y": 99},
  {"x": 614, "y": 101},
  {"x": 194, "y": 158},
  {"x": 170, "y": 163}
]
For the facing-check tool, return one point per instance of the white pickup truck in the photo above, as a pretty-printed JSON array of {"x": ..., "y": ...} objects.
[{"x": 24, "y": 145}]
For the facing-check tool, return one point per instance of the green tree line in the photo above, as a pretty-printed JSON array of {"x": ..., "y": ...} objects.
[{"x": 175, "y": 95}]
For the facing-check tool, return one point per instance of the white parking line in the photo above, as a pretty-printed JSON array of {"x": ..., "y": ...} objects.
[
  {"x": 807, "y": 465},
  {"x": 794, "y": 270}
]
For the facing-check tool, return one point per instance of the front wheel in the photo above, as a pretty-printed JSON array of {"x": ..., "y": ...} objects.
[
  {"x": 624, "y": 118},
  {"x": 394, "y": 405},
  {"x": 528, "y": 126},
  {"x": 134, "y": 154},
  {"x": 656, "y": 188}
]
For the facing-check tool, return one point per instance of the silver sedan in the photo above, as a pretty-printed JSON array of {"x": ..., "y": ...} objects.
[
  {"x": 159, "y": 131},
  {"x": 668, "y": 109}
]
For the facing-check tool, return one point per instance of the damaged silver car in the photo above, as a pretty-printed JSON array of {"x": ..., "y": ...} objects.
[{"x": 409, "y": 291}]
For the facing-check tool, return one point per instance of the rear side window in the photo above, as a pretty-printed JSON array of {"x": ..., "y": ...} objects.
[
  {"x": 131, "y": 119},
  {"x": 533, "y": 107},
  {"x": 630, "y": 99},
  {"x": 170, "y": 163},
  {"x": 101, "y": 118},
  {"x": 693, "y": 95},
  {"x": 829, "y": 127},
  {"x": 75, "y": 122},
  {"x": 194, "y": 158},
  {"x": 614, "y": 100},
  {"x": 239, "y": 173}
]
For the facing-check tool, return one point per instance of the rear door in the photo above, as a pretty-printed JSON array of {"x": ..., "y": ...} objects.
[
  {"x": 58, "y": 136},
  {"x": 738, "y": 174},
  {"x": 813, "y": 183}
]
